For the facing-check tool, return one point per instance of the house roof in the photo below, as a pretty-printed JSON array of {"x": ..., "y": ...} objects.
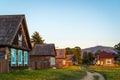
[
  {"x": 104, "y": 55},
  {"x": 44, "y": 50},
  {"x": 9, "y": 25},
  {"x": 61, "y": 53},
  {"x": 69, "y": 57}
]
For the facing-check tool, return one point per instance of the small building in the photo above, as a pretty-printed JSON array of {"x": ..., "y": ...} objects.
[
  {"x": 104, "y": 59},
  {"x": 14, "y": 42},
  {"x": 42, "y": 56},
  {"x": 70, "y": 60},
  {"x": 60, "y": 58}
]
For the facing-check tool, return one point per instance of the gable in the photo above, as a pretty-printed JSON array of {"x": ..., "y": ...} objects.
[
  {"x": 19, "y": 39},
  {"x": 10, "y": 25}
]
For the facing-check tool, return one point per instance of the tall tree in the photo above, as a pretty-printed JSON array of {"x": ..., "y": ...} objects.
[
  {"x": 90, "y": 57},
  {"x": 37, "y": 38},
  {"x": 77, "y": 54},
  {"x": 85, "y": 57}
]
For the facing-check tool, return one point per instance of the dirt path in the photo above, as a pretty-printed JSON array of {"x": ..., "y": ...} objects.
[{"x": 90, "y": 76}]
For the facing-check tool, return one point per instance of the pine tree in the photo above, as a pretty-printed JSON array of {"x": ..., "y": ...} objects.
[{"x": 36, "y": 38}]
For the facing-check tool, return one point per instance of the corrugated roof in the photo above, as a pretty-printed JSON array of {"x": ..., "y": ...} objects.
[
  {"x": 61, "y": 53},
  {"x": 44, "y": 50}
]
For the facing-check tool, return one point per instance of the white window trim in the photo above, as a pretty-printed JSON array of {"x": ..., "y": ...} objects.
[
  {"x": 108, "y": 60},
  {"x": 52, "y": 61}
]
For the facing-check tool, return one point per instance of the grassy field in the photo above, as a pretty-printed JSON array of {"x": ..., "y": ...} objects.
[
  {"x": 71, "y": 73},
  {"x": 110, "y": 73}
]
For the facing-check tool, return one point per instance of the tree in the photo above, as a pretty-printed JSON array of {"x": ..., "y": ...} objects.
[
  {"x": 117, "y": 46},
  {"x": 90, "y": 57},
  {"x": 77, "y": 54},
  {"x": 37, "y": 38},
  {"x": 85, "y": 57},
  {"x": 69, "y": 51}
]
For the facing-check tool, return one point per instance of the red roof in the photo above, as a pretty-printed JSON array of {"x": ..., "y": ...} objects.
[
  {"x": 104, "y": 55},
  {"x": 61, "y": 53}
]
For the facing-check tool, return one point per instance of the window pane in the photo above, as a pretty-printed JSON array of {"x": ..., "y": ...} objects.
[
  {"x": 13, "y": 56},
  {"x": 25, "y": 57},
  {"x": 19, "y": 56}
]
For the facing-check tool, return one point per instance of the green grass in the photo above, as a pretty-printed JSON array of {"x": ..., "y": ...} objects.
[
  {"x": 110, "y": 73},
  {"x": 96, "y": 77},
  {"x": 71, "y": 73}
]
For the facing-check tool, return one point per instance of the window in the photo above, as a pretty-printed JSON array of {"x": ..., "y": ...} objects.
[
  {"x": 64, "y": 62},
  {"x": 19, "y": 57},
  {"x": 108, "y": 61},
  {"x": 13, "y": 56},
  {"x": 25, "y": 57},
  {"x": 20, "y": 39},
  {"x": 52, "y": 60}
]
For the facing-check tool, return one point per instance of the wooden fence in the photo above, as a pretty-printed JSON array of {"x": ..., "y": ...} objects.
[{"x": 4, "y": 66}]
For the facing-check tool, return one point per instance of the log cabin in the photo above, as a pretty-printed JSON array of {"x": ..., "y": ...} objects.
[
  {"x": 14, "y": 42},
  {"x": 42, "y": 56},
  {"x": 60, "y": 58}
]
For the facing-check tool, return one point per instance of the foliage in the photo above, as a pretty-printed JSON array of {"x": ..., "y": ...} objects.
[
  {"x": 88, "y": 57},
  {"x": 37, "y": 38},
  {"x": 117, "y": 46},
  {"x": 69, "y": 51},
  {"x": 68, "y": 73},
  {"x": 76, "y": 51}
]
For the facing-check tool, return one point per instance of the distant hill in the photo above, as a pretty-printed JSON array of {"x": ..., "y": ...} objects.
[{"x": 96, "y": 48}]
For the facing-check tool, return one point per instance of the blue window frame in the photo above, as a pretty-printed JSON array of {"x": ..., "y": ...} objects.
[
  {"x": 19, "y": 57},
  {"x": 25, "y": 57},
  {"x": 13, "y": 56}
]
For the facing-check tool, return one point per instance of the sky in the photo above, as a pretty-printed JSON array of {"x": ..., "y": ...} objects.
[{"x": 69, "y": 23}]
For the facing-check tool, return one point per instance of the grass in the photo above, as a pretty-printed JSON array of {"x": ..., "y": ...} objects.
[
  {"x": 71, "y": 73},
  {"x": 110, "y": 73},
  {"x": 96, "y": 77}
]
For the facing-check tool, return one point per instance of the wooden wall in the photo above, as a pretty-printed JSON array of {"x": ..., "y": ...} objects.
[
  {"x": 60, "y": 63},
  {"x": 69, "y": 63},
  {"x": 39, "y": 62},
  {"x": 4, "y": 66}
]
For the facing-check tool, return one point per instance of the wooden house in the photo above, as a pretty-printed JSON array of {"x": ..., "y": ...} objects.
[
  {"x": 42, "y": 56},
  {"x": 69, "y": 60},
  {"x": 14, "y": 42},
  {"x": 104, "y": 59},
  {"x": 60, "y": 58}
]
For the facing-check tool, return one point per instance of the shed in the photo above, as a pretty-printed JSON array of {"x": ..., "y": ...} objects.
[{"x": 42, "y": 56}]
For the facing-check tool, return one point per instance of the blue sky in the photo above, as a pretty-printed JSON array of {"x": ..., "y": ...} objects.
[{"x": 70, "y": 23}]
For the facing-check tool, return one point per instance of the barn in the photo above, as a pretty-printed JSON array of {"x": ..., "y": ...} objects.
[
  {"x": 14, "y": 43},
  {"x": 42, "y": 56}
]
